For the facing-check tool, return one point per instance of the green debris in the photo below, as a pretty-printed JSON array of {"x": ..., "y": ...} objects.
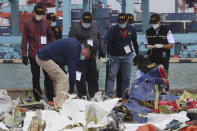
[
  {"x": 156, "y": 96},
  {"x": 186, "y": 95},
  {"x": 164, "y": 109},
  {"x": 13, "y": 120}
]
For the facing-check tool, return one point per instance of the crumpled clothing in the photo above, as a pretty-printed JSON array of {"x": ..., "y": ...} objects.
[
  {"x": 143, "y": 88},
  {"x": 138, "y": 112}
]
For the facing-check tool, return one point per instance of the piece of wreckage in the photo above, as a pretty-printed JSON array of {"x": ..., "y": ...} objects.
[
  {"x": 76, "y": 114},
  {"x": 145, "y": 95},
  {"x": 80, "y": 114}
]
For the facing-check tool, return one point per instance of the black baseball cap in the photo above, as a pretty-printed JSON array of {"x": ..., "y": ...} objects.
[
  {"x": 122, "y": 18},
  {"x": 51, "y": 16},
  {"x": 130, "y": 18},
  {"x": 154, "y": 18},
  {"x": 39, "y": 9},
  {"x": 87, "y": 17}
]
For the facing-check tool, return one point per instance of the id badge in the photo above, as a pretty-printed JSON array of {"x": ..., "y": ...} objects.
[
  {"x": 78, "y": 75},
  {"x": 43, "y": 40},
  {"x": 90, "y": 42},
  {"x": 127, "y": 49}
]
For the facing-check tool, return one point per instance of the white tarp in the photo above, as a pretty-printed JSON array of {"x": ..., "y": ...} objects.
[
  {"x": 159, "y": 120},
  {"x": 74, "y": 112}
]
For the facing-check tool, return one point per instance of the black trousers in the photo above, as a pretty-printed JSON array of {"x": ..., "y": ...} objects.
[
  {"x": 118, "y": 82},
  {"x": 48, "y": 83},
  {"x": 90, "y": 76}
]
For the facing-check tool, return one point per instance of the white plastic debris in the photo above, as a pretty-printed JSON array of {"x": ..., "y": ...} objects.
[
  {"x": 5, "y": 103},
  {"x": 54, "y": 121},
  {"x": 73, "y": 112}
]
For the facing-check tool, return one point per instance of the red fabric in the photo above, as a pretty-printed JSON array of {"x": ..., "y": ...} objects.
[
  {"x": 32, "y": 32},
  {"x": 172, "y": 105},
  {"x": 147, "y": 127},
  {"x": 164, "y": 77},
  {"x": 191, "y": 104}
]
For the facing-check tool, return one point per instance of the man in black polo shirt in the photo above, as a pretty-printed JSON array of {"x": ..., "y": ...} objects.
[{"x": 159, "y": 40}]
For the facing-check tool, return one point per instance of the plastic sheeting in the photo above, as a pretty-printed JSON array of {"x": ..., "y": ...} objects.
[{"x": 6, "y": 104}]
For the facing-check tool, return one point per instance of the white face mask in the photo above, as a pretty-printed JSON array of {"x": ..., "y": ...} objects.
[
  {"x": 53, "y": 24},
  {"x": 39, "y": 17},
  {"x": 155, "y": 26},
  {"x": 86, "y": 25}
]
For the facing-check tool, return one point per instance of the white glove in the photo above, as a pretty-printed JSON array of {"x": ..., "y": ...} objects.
[
  {"x": 158, "y": 46},
  {"x": 150, "y": 47}
]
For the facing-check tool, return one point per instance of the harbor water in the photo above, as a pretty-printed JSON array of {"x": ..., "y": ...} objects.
[{"x": 181, "y": 76}]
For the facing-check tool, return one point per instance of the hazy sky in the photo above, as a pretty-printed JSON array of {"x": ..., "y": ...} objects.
[
  {"x": 162, "y": 6},
  {"x": 159, "y": 6}
]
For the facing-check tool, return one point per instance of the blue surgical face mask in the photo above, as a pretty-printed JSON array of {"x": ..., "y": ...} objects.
[
  {"x": 82, "y": 57},
  {"x": 53, "y": 24},
  {"x": 122, "y": 26},
  {"x": 86, "y": 25}
]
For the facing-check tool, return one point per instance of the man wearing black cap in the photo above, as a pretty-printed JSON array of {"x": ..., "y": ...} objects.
[
  {"x": 51, "y": 17},
  {"x": 37, "y": 32},
  {"x": 87, "y": 33},
  {"x": 121, "y": 38},
  {"x": 159, "y": 40},
  {"x": 130, "y": 18},
  {"x": 135, "y": 48}
]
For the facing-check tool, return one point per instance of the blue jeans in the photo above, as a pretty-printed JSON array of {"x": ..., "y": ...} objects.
[{"x": 125, "y": 64}]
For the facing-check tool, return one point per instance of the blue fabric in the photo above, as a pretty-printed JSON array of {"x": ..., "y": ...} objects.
[
  {"x": 124, "y": 63},
  {"x": 117, "y": 43},
  {"x": 117, "y": 118},
  {"x": 63, "y": 52},
  {"x": 144, "y": 88},
  {"x": 136, "y": 109},
  {"x": 139, "y": 74}
]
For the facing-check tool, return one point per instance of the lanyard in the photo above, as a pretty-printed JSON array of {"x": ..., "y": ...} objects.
[{"x": 125, "y": 33}]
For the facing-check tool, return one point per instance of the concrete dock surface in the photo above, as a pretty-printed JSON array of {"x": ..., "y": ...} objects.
[{"x": 172, "y": 60}]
